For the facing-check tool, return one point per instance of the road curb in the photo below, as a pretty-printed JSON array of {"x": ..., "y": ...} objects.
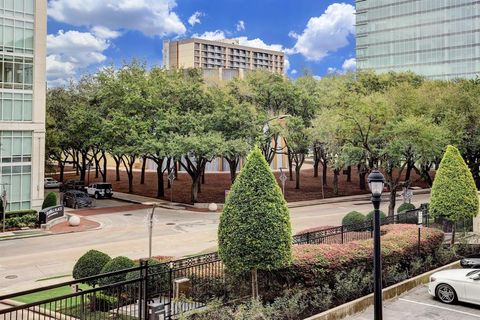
[{"x": 360, "y": 304}]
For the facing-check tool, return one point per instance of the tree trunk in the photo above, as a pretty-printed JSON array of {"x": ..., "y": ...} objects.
[
  {"x": 315, "y": 168},
  {"x": 97, "y": 164},
  {"x": 349, "y": 174},
  {"x": 254, "y": 274},
  {"x": 454, "y": 227},
  {"x": 82, "y": 169},
  {"x": 160, "y": 184},
  {"x": 233, "y": 163},
  {"x": 144, "y": 165},
  {"x": 290, "y": 164},
  {"x": 297, "y": 177},
  {"x": 195, "y": 187},
  {"x": 362, "y": 173},
  {"x": 336, "y": 172},
  {"x": 117, "y": 168},
  {"x": 104, "y": 174},
  {"x": 409, "y": 170},
  {"x": 391, "y": 205},
  {"x": 324, "y": 173},
  {"x": 203, "y": 176},
  {"x": 62, "y": 170}
]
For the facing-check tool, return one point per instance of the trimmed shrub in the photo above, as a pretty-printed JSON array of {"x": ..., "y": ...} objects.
[
  {"x": 158, "y": 276},
  {"x": 255, "y": 231},
  {"x": 116, "y": 264},
  {"x": 405, "y": 207},
  {"x": 90, "y": 264},
  {"x": 454, "y": 194},
  {"x": 50, "y": 200},
  {"x": 353, "y": 217},
  {"x": 369, "y": 215}
]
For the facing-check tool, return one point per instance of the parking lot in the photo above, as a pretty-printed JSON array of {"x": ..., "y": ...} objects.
[{"x": 418, "y": 304}]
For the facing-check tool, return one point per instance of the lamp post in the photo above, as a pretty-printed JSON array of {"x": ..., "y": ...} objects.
[
  {"x": 420, "y": 225},
  {"x": 150, "y": 226},
  {"x": 376, "y": 182}
]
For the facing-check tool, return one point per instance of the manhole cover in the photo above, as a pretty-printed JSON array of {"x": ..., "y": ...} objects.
[
  {"x": 12, "y": 276},
  {"x": 170, "y": 224},
  {"x": 127, "y": 214}
]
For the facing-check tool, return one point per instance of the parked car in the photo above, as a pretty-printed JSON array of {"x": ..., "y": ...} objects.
[
  {"x": 51, "y": 183},
  {"x": 471, "y": 262},
  {"x": 77, "y": 199},
  {"x": 72, "y": 185},
  {"x": 100, "y": 190},
  {"x": 450, "y": 286}
]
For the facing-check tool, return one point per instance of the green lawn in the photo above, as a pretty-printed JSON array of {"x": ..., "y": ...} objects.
[{"x": 57, "y": 292}]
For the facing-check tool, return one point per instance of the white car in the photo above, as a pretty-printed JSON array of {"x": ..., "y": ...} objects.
[
  {"x": 50, "y": 183},
  {"x": 450, "y": 286}
]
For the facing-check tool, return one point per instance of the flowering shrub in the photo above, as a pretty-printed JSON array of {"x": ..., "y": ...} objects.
[{"x": 315, "y": 264}]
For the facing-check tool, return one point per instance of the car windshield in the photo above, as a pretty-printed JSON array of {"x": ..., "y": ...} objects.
[
  {"x": 471, "y": 273},
  {"x": 104, "y": 186},
  {"x": 81, "y": 195}
]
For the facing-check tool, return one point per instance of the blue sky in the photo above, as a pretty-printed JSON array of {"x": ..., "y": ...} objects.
[{"x": 85, "y": 35}]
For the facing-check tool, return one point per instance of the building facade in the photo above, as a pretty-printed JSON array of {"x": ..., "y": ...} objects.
[
  {"x": 439, "y": 39},
  {"x": 23, "y": 27},
  {"x": 222, "y": 59}
]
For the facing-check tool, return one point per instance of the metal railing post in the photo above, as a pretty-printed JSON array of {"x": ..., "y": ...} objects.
[
  {"x": 342, "y": 232},
  {"x": 145, "y": 289},
  {"x": 140, "y": 291}
]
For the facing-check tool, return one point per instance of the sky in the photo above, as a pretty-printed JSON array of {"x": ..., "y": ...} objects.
[{"x": 317, "y": 36}]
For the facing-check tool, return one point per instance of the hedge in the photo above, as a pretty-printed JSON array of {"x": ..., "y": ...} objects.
[
  {"x": 353, "y": 217},
  {"x": 50, "y": 200},
  {"x": 21, "y": 219},
  {"x": 369, "y": 215},
  {"x": 116, "y": 264},
  {"x": 405, "y": 207}
]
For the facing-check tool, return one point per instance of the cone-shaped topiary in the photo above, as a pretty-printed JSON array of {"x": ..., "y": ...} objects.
[
  {"x": 90, "y": 264},
  {"x": 454, "y": 194},
  {"x": 255, "y": 231},
  {"x": 50, "y": 200}
]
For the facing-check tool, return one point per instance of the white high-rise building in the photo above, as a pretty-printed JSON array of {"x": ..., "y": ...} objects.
[{"x": 23, "y": 28}]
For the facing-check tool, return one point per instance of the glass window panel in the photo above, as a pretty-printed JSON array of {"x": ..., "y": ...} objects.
[
  {"x": 29, "y": 6},
  {"x": 27, "y": 146},
  {"x": 17, "y": 146},
  {"x": 27, "y": 110},
  {"x": 15, "y": 188},
  {"x": 19, "y": 38},
  {"x": 9, "y": 4},
  {"x": 7, "y": 109},
  {"x": 18, "y": 73},
  {"x": 17, "y": 110},
  {"x": 9, "y": 36},
  {"x": 26, "y": 184},
  {"x": 28, "y": 39}
]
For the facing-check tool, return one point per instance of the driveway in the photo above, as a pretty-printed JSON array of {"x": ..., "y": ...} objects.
[{"x": 419, "y": 305}]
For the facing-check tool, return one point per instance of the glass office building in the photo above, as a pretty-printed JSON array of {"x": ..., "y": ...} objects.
[
  {"x": 22, "y": 102},
  {"x": 439, "y": 39}
]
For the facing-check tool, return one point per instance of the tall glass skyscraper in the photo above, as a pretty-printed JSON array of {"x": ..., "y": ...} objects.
[
  {"x": 22, "y": 101},
  {"x": 439, "y": 39}
]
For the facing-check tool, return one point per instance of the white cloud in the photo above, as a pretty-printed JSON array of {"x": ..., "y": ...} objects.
[
  {"x": 317, "y": 77},
  {"x": 152, "y": 17},
  {"x": 294, "y": 71},
  {"x": 210, "y": 35},
  {"x": 326, "y": 33},
  {"x": 71, "y": 51},
  {"x": 240, "y": 25},
  {"x": 349, "y": 65},
  {"x": 105, "y": 33},
  {"x": 195, "y": 18}
]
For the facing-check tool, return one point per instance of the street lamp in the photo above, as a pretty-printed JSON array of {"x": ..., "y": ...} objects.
[
  {"x": 150, "y": 226},
  {"x": 376, "y": 182}
]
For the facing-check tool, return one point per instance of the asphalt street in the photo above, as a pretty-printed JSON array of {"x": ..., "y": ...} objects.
[
  {"x": 419, "y": 305},
  {"x": 176, "y": 233}
]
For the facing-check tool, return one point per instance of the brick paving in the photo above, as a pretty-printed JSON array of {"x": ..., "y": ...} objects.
[{"x": 85, "y": 225}]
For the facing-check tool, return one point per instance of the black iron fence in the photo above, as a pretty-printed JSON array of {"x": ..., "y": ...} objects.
[
  {"x": 158, "y": 291},
  {"x": 359, "y": 231}
]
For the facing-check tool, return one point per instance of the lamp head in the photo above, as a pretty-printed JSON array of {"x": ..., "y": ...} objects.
[{"x": 376, "y": 182}]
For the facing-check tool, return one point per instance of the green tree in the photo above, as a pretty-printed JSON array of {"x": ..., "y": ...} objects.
[
  {"x": 298, "y": 139},
  {"x": 89, "y": 265},
  {"x": 454, "y": 194},
  {"x": 255, "y": 231},
  {"x": 50, "y": 200}
]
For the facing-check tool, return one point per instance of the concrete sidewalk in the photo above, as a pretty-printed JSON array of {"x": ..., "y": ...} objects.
[{"x": 133, "y": 198}]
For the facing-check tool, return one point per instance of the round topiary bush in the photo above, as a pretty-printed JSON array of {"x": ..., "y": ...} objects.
[
  {"x": 90, "y": 264},
  {"x": 405, "y": 207},
  {"x": 116, "y": 264},
  {"x": 369, "y": 215},
  {"x": 50, "y": 200},
  {"x": 353, "y": 217}
]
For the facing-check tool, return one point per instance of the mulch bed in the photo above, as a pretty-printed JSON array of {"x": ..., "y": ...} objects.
[{"x": 216, "y": 183}]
